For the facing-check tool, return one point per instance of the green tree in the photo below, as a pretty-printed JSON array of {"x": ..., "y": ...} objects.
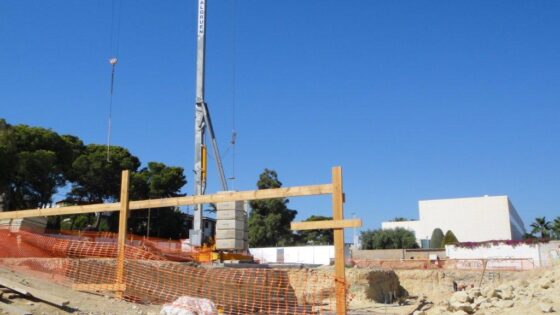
[
  {"x": 316, "y": 237},
  {"x": 269, "y": 220},
  {"x": 437, "y": 238},
  {"x": 158, "y": 181},
  {"x": 556, "y": 228},
  {"x": 541, "y": 226},
  {"x": 388, "y": 239},
  {"x": 34, "y": 162},
  {"x": 449, "y": 238},
  {"x": 96, "y": 179},
  {"x": 528, "y": 236},
  {"x": 7, "y": 159},
  {"x": 400, "y": 219}
]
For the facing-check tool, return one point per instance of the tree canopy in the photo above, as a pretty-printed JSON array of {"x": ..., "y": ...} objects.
[
  {"x": 388, "y": 239},
  {"x": 542, "y": 227},
  {"x": 437, "y": 238},
  {"x": 449, "y": 238},
  {"x": 316, "y": 237},
  {"x": 269, "y": 220},
  {"x": 36, "y": 162},
  {"x": 158, "y": 181}
]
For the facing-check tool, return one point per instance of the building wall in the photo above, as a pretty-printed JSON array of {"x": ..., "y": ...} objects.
[
  {"x": 500, "y": 251},
  {"x": 320, "y": 255},
  {"x": 516, "y": 224},
  {"x": 549, "y": 253},
  {"x": 394, "y": 254},
  {"x": 471, "y": 219}
]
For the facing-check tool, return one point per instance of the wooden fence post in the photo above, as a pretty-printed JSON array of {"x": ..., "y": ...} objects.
[
  {"x": 123, "y": 216},
  {"x": 338, "y": 214}
]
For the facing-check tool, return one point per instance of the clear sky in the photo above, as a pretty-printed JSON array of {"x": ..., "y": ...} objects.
[{"x": 415, "y": 99}]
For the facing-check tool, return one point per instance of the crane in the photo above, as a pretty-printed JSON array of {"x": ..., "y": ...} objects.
[{"x": 202, "y": 124}]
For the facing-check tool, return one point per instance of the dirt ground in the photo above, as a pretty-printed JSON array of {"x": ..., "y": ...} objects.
[
  {"x": 80, "y": 303},
  {"x": 431, "y": 288}
]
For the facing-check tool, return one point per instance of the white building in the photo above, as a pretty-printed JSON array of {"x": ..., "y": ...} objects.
[{"x": 474, "y": 219}]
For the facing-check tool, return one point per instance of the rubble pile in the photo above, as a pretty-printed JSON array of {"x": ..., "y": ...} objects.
[{"x": 538, "y": 293}]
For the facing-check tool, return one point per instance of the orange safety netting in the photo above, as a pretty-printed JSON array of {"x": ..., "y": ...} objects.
[{"x": 157, "y": 272}]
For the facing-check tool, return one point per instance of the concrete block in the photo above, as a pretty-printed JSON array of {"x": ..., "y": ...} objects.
[
  {"x": 230, "y": 234},
  {"x": 230, "y": 214},
  {"x": 231, "y": 205},
  {"x": 237, "y": 224},
  {"x": 230, "y": 244}
]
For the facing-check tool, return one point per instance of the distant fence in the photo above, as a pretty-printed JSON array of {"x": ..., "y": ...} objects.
[
  {"x": 399, "y": 263},
  {"x": 514, "y": 264},
  {"x": 318, "y": 255},
  {"x": 493, "y": 264}
]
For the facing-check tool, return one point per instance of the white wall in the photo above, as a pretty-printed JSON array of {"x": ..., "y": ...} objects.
[
  {"x": 549, "y": 253},
  {"x": 501, "y": 251},
  {"x": 471, "y": 219},
  {"x": 320, "y": 255}
]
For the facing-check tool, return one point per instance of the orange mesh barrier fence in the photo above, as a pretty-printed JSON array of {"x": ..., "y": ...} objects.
[{"x": 88, "y": 262}]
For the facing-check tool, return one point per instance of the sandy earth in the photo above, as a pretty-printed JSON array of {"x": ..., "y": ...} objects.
[
  {"x": 529, "y": 292},
  {"x": 80, "y": 303}
]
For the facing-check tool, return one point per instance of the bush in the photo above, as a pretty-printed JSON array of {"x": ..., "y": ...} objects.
[
  {"x": 388, "y": 239},
  {"x": 436, "y": 239},
  {"x": 449, "y": 238}
]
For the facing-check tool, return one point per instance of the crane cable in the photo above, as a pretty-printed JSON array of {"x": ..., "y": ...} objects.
[
  {"x": 234, "y": 85},
  {"x": 114, "y": 37}
]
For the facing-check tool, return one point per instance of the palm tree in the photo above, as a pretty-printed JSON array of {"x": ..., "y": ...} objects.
[
  {"x": 556, "y": 228},
  {"x": 541, "y": 226}
]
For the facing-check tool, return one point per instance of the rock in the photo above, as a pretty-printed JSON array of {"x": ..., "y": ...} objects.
[
  {"x": 460, "y": 296},
  {"x": 485, "y": 305},
  {"x": 545, "y": 283},
  {"x": 459, "y": 313},
  {"x": 490, "y": 293},
  {"x": 506, "y": 294},
  {"x": 473, "y": 293},
  {"x": 426, "y": 306},
  {"x": 479, "y": 300},
  {"x": 520, "y": 283},
  {"x": 546, "y": 308},
  {"x": 505, "y": 287},
  {"x": 504, "y": 304},
  {"x": 458, "y": 306},
  {"x": 419, "y": 313}
]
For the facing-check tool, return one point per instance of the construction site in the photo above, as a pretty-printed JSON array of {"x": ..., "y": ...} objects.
[{"x": 214, "y": 270}]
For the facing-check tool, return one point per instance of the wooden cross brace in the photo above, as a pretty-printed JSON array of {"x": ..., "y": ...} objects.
[{"x": 337, "y": 224}]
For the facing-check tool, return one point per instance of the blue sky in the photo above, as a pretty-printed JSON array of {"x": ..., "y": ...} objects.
[{"x": 415, "y": 99}]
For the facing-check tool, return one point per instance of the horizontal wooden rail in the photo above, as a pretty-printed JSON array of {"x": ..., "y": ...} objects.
[
  {"x": 98, "y": 287},
  {"x": 296, "y": 191},
  {"x": 326, "y": 224}
]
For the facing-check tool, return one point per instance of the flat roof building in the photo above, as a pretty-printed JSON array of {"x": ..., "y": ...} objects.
[{"x": 473, "y": 219}]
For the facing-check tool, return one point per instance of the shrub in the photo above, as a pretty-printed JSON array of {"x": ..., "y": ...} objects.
[
  {"x": 449, "y": 238},
  {"x": 437, "y": 238}
]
